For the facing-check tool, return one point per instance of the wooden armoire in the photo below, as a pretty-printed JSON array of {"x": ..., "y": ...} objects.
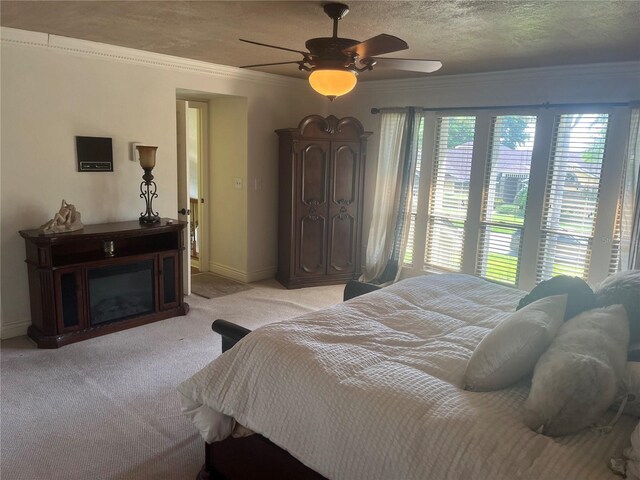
[{"x": 321, "y": 190}]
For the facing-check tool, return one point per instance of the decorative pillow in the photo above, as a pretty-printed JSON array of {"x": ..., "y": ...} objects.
[
  {"x": 629, "y": 466},
  {"x": 581, "y": 297},
  {"x": 623, "y": 288},
  {"x": 510, "y": 351},
  {"x": 630, "y": 388},
  {"x": 577, "y": 378}
]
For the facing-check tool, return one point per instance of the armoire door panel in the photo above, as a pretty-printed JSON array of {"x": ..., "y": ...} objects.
[
  {"x": 345, "y": 171},
  {"x": 342, "y": 244},
  {"x": 313, "y": 174},
  {"x": 312, "y": 259}
]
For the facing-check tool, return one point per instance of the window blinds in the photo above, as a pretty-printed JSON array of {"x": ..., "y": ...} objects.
[
  {"x": 449, "y": 192},
  {"x": 571, "y": 196},
  {"x": 505, "y": 202}
]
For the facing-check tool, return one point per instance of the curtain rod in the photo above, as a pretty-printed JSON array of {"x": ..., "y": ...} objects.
[{"x": 375, "y": 110}]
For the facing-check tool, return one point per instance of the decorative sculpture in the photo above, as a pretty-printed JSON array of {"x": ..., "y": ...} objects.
[{"x": 66, "y": 220}]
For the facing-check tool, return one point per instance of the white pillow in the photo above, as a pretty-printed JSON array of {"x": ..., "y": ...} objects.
[
  {"x": 510, "y": 351},
  {"x": 623, "y": 288},
  {"x": 578, "y": 377}
]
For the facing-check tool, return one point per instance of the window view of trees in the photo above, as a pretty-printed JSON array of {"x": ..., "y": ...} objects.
[
  {"x": 513, "y": 132},
  {"x": 565, "y": 224},
  {"x": 571, "y": 198},
  {"x": 505, "y": 202},
  {"x": 447, "y": 211}
]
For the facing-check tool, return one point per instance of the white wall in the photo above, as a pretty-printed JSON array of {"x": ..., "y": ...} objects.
[
  {"x": 607, "y": 82},
  {"x": 54, "y": 88}
]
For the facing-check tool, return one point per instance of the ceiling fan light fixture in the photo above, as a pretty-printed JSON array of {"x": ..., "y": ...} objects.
[{"x": 332, "y": 83}]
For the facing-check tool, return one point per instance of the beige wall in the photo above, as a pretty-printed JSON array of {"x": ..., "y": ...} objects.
[
  {"x": 228, "y": 206},
  {"x": 54, "y": 88}
]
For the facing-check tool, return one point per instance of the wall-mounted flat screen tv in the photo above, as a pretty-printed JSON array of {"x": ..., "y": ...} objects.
[{"x": 95, "y": 154}]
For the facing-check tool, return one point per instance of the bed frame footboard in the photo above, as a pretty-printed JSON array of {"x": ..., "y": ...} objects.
[
  {"x": 252, "y": 458},
  {"x": 230, "y": 332},
  {"x": 354, "y": 289}
]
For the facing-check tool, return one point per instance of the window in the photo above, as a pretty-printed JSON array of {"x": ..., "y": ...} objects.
[
  {"x": 408, "y": 257},
  {"x": 449, "y": 192},
  {"x": 504, "y": 205},
  {"x": 571, "y": 197},
  {"x": 519, "y": 197}
]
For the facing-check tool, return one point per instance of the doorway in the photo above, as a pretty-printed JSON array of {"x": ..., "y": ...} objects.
[{"x": 193, "y": 188}]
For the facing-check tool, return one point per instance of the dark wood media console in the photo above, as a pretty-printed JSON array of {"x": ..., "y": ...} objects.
[{"x": 102, "y": 279}]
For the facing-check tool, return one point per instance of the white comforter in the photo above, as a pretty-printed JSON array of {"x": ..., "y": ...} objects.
[{"x": 371, "y": 389}]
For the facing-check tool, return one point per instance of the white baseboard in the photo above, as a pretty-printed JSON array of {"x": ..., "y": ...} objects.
[
  {"x": 14, "y": 330},
  {"x": 262, "y": 274},
  {"x": 240, "y": 276}
]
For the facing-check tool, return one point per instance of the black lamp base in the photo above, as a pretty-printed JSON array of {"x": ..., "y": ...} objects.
[{"x": 149, "y": 219}]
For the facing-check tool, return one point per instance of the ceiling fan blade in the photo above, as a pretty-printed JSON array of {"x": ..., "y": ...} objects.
[
  {"x": 273, "y": 46},
  {"x": 269, "y": 64},
  {"x": 378, "y": 45},
  {"x": 409, "y": 64}
]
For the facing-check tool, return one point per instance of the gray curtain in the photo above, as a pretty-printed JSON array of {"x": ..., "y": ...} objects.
[
  {"x": 634, "y": 250},
  {"x": 630, "y": 225},
  {"x": 392, "y": 203}
]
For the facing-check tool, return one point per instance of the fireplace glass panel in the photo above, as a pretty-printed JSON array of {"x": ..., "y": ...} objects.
[
  {"x": 169, "y": 284},
  {"x": 69, "y": 292},
  {"x": 118, "y": 292}
]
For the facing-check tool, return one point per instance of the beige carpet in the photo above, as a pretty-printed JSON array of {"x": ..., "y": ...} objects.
[
  {"x": 107, "y": 408},
  {"x": 209, "y": 285}
]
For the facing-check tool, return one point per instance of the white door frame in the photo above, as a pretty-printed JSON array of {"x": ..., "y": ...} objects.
[
  {"x": 203, "y": 184},
  {"x": 183, "y": 190},
  {"x": 204, "y": 212}
]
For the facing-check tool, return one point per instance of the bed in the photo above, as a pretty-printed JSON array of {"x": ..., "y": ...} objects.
[{"x": 372, "y": 388}]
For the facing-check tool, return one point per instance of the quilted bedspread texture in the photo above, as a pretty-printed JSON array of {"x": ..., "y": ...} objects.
[{"x": 372, "y": 389}]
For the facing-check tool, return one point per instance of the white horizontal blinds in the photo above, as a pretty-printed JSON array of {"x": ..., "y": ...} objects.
[
  {"x": 408, "y": 256},
  {"x": 505, "y": 198},
  {"x": 571, "y": 196},
  {"x": 453, "y": 152}
]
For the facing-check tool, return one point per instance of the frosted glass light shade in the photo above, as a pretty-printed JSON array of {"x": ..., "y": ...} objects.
[
  {"x": 332, "y": 83},
  {"x": 147, "y": 156}
]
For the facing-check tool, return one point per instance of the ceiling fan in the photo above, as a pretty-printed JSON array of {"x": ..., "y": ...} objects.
[{"x": 334, "y": 62}]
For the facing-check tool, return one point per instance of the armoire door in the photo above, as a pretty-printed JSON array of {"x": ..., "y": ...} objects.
[
  {"x": 344, "y": 204},
  {"x": 311, "y": 207}
]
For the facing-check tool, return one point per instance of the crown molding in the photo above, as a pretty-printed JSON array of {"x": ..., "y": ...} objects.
[
  {"x": 594, "y": 71},
  {"x": 74, "y": 46}
]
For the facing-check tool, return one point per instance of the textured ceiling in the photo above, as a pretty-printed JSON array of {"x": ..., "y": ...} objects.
[{"x": 467, "y": 36}]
